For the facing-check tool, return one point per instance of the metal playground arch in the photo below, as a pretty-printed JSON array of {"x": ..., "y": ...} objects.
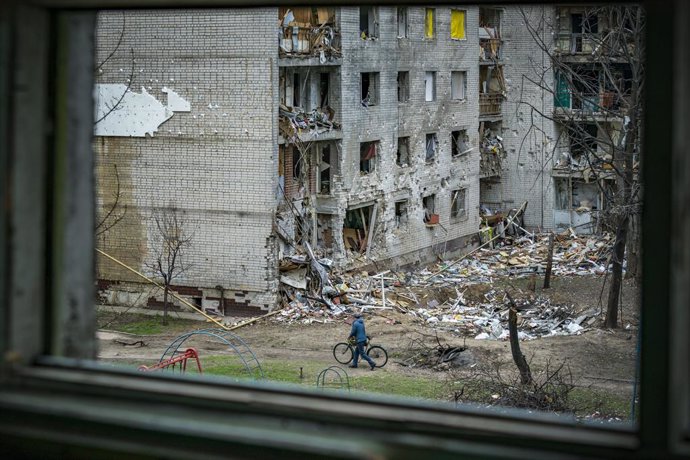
[{"x": 233, "y": 341}]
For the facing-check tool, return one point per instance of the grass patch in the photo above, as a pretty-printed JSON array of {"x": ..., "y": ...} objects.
[
  {"x": 378, "y": 381},
  {"x": 133, "y": 323},
  {"x": 587, "y": 401}
]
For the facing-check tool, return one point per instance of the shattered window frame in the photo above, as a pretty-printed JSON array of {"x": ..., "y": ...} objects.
[
  {"x": 403, "y": 80},
  {"x": 459, "y": 139},
  {"x": 371, "y": 14},
  {"x": 373, "y": 88},
  {"x": 431, "y": 147},
  {"x": 458, "y": 207},
  {"x": 403, "y": 141},
  {"x": 401, "y": 212},
  {"x": 368, "y": 165}
]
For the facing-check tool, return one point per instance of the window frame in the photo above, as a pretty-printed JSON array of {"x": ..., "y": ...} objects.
[
  {"x": 434, "y": 33},
  {"x": 434, "y": 82},
  {"x": 52, "y": 399},
  {"x": 464, "y": 26},
  {"x": 464, "y": 85}
]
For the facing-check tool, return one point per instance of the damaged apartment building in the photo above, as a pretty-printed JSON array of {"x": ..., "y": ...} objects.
[{"x": 368, "y": 134}]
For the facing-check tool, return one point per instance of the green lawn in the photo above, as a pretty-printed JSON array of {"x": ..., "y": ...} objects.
[{"x": 139, "y": 324}]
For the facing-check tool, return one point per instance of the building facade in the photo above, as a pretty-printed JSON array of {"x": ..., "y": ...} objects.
[{"x": 369, "y": 134}]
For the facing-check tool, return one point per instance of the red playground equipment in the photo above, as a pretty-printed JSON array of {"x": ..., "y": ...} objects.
[{"x": 189, "y": 353}]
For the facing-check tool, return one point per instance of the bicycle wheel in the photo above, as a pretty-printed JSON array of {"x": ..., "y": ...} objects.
[
  {"x": 378, "y": 355},
  {"x": 342, "y": 353}
]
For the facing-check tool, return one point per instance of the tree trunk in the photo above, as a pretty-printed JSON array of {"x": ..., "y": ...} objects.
[
  {"x": 165, "y": 304},
  {"x": 518, "y": 357},
  {"x": 549, "y": 264},
  {"x": 616, "y": 274},
  {"x": 633, "y": 249}
]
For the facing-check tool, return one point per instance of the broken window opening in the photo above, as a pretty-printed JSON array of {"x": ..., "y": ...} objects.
[
  {"x": 458, "y": 205},
  {"x": 429, "y": 86},
  {"x": 367, "y": 156},
  {"x": 368, "y": 22},
  {"x": 402, "y": 157},
  {"x": 429, "y": 205},
  {"x": 402, "y": 22},
  {"x": 296, "y": 101},
  {"x": 458, "y": 85},
  {"x": 401, "y": 213},
  {"x": 583, "y": 141},
  {"x": 430, "y": 23},
  {"x": 359, "y": 223},
  {"x": 490, "y": 33},
  {"x": 370, "y": 88},
  {"x": 431, "y": 147},
  {"x": 308, "y": 31},
  {"x": 457, "y": 25},
  {"x": 325, "y": 171},
  {"x": 324, "y": 80},
  {"x": 459, "y": 143},
  {"x": 403, "y": 86}
]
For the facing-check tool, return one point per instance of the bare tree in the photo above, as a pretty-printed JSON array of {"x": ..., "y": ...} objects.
[
  {"x": 169, "y": 244},
  {"x": 113, "y": 106},
  {"x": 108, "y": 218},
  {"x": 597, "y": 65}
]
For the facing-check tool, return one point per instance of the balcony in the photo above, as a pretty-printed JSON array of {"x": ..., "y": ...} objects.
[
  {"x": 309, "y": 34},
  {"x": 577, "y": 43},
  {"x": 489, "y": 50},
  {"x": 297, "y": 124},
  {"x": 490, "y": 104},
  {"x": 605, "y": 105}
]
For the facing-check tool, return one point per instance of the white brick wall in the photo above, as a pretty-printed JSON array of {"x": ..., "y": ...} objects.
[{"x": 217, "y": 164}]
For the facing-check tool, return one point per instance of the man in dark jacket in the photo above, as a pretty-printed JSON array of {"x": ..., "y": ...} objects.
[{"x": 360, "y": 336}]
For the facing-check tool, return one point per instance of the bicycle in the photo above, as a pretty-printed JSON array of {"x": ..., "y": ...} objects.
[{"x": 343, "y": 352}]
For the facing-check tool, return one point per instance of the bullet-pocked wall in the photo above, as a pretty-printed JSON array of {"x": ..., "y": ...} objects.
[
  {"x": 529, "y": 138},
  {"x": 187, "y": 100},
  {"x": 435, "y": 97}
]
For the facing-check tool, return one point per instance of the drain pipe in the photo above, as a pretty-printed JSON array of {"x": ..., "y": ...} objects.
[{"x": 222, "y": 298}]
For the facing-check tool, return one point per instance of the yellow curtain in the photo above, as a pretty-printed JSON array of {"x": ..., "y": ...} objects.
[
  {"x": 457, "y": 24},
  {"x": 429, "y": 23}
]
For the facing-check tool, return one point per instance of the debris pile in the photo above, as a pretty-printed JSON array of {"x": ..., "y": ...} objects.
[
  {"x": 294, "y": 120},
  {"x": 305, "y": 34},
  {"x": 438, "y": 295}
]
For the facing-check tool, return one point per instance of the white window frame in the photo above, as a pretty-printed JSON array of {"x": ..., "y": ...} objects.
[
  {"x": 430, "y": 86},
  {"x": 463, "y": 85}
]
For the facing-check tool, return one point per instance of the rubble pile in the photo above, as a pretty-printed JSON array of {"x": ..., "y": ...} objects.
[
  {"x": 294, "y": 120},
  {"x": 322, "y": 297}
]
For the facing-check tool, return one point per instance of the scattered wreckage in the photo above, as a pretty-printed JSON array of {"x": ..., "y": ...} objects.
[{"x": 313, "y": 292}]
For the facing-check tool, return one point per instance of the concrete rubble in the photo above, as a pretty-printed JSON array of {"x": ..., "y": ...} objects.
[{"x": 325, "y": 299}]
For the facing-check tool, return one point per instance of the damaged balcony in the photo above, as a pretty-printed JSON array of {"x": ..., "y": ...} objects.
[
  {"x": 492, "y": 90},
  {"x": 308, "y": 36},
  {"x": 309, "y": 104},
  {"x": 489, "y": 35},
  {"x": 491, "y": 150}
]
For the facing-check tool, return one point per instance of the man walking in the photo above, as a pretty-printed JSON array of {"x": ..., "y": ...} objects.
[{"x": 360, "y": 336}]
